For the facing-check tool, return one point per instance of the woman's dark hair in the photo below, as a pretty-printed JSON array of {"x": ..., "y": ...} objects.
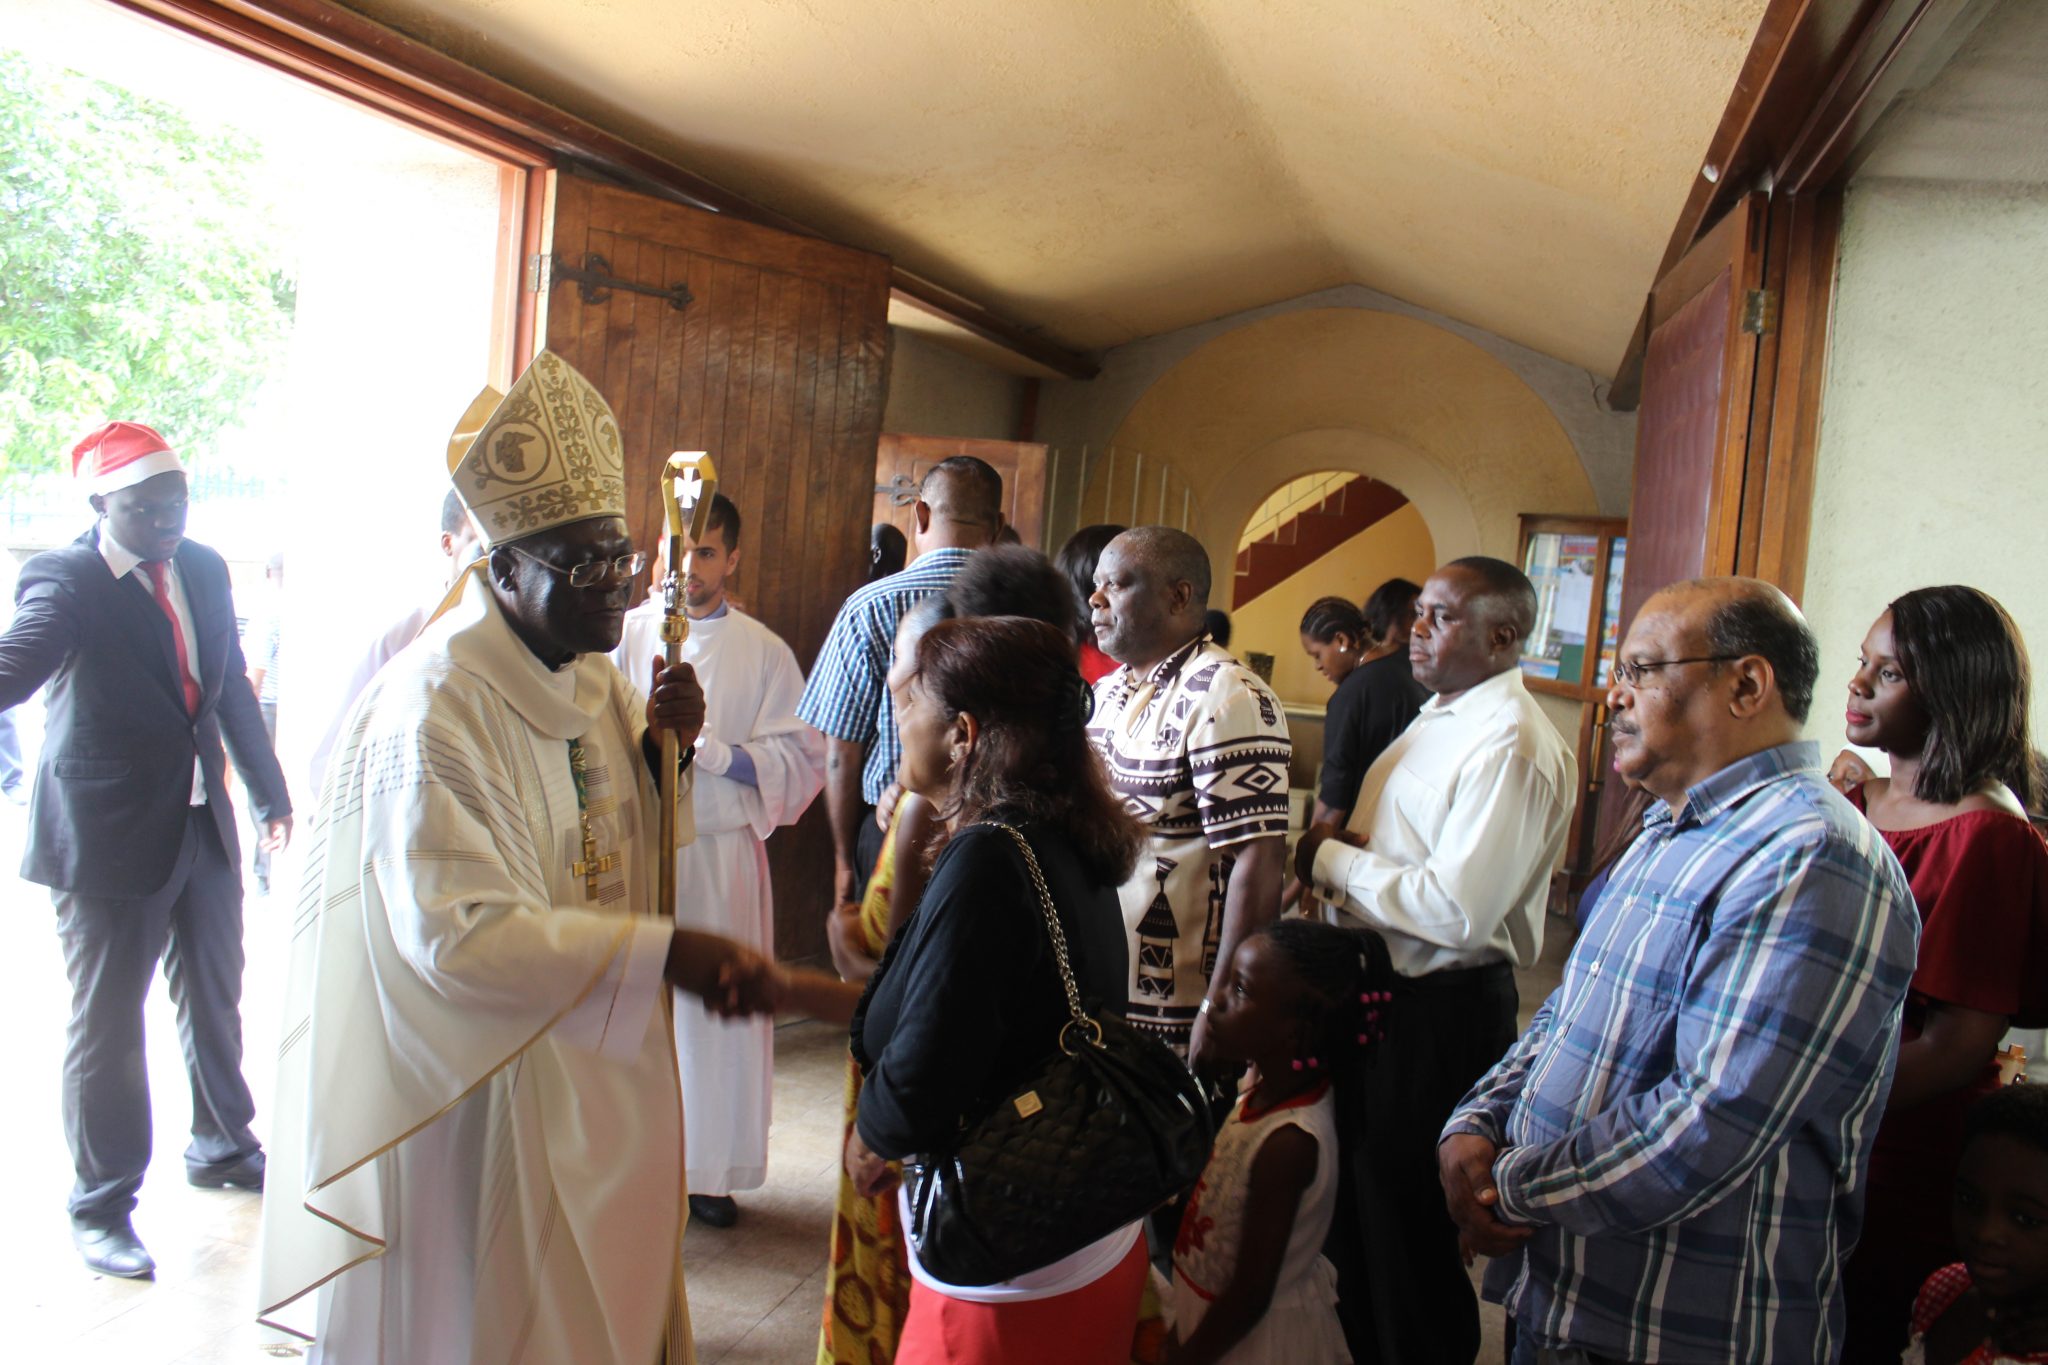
[
  {"x": 1076, "y": 560},
  {"x": 1329, "y": 617},
  {"x": 1338, "y": 969},
  {"x": 2019, "y": 1111},
  {"x": 1966, "y": 666},
  {"x": 1216, "y": 625},
  {"x": 1011, "y": 580},
  {"x": 1032, "y": 763},
  {"x": 1392, "y": 603}
]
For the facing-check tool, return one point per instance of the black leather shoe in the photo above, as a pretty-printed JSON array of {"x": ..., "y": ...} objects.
[
  {"x": 246, "y": 1174},
  {"x": 714, "y": 1210},
  {"x": 114, "y": 1250}
]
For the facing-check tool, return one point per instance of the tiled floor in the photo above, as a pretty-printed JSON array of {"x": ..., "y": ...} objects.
[{"x": 756, "y": 1291}]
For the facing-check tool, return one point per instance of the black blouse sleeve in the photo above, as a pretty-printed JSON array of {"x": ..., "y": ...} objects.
[
  {"x": 933, "y": 1026},
  {"x": 1343, "y": 743}
]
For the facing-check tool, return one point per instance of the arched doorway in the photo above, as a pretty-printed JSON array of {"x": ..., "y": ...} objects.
[{"x": 1327, "y": 532}]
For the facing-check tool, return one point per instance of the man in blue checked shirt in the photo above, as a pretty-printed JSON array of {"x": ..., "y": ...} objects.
[
  {"x": 1669, "y": 1164},
  {"x": 959, "y": 510}
]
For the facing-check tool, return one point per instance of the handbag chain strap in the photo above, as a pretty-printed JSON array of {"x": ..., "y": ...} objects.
[{"x": 1079, "y": 1017}]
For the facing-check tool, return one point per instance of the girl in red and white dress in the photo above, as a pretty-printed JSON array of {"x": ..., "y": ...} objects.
[
  {"x": 1250, "y": 1285},
  {"x": 1991, "y": 1308}
]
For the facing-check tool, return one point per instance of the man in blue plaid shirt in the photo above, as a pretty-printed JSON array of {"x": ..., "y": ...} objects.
[
  {"x": 959, "y": 510},
  {"x": 1669, "y": 1164}
]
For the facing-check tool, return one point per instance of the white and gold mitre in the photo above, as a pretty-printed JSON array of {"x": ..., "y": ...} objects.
[{"x": 545, "y": 454}]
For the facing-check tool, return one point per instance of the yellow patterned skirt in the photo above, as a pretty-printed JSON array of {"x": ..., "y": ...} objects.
[{"x": 867, "y": 1284}]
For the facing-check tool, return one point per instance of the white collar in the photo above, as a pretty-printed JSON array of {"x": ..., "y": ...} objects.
[
  {"x": 120, "y": 560},
  {"x": 1480, "y": 699},
  {"x": 560, "y": 704}
]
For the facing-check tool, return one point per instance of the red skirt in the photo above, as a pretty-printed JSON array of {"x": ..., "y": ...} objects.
[{"x": 1092, "y": 1325}]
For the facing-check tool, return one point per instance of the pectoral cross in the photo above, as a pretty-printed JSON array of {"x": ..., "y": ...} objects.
[{"x": 592, "y": 864}]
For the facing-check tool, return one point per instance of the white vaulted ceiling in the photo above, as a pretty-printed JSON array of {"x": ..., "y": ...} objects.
[{"x": 1103, "y": 170}]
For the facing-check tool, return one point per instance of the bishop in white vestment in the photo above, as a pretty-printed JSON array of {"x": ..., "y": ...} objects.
[
  {"x": 478, "y": 1156},
  {"x": 757, "y": 768}
]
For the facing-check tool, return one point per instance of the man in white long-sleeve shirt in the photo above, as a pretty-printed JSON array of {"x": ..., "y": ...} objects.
[{"x": 1448, "y": 855}]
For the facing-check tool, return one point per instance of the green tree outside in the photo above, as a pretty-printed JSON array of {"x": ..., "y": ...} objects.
[{"x": 143, "y": 271}]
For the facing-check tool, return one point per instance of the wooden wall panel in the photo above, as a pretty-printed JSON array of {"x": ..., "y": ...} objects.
[{"x": 776, "y": 368}]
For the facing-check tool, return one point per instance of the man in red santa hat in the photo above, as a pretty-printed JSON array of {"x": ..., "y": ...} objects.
[{"x": 132, "y": 629}]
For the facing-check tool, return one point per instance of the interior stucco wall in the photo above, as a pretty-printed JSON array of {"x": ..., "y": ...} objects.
[
  {"x": 1396, "y": 546},
  {"x": 1388, "y": 394},
  {"x": 1377, "y": 393},
  {"x": 934, "y": 391},
  {"x": 1082, "y": 418},
  {"x": 1932, "y": 421}
]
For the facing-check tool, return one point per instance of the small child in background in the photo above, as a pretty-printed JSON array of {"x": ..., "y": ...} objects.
[
  {"x": 1991, "y": 1308},
  {"x": 1303, "y": 1004}
]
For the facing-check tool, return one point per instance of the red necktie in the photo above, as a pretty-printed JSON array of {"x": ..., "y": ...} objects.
[{"x": 163, "y": 599}]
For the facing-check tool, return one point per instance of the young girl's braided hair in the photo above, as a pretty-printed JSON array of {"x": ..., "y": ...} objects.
[{"x": 1347, "y": 983}]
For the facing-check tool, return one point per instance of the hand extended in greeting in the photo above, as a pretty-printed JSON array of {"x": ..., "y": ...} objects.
[
  {"x": 728, "y": 977},
  {"x": 1464, "y": 1163}
]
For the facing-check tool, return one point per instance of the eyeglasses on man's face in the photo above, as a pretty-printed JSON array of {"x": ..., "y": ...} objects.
[
  {"x": 592, "y": 572},
  {"x": 1632, "y": 674}
]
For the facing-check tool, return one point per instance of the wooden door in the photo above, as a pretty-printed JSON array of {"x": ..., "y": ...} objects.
[
  {"x": 901, "y": 463},
  {"x": 775, "y": 365},
  {"x": 1692, "y": 434},
  {"x": 1693, "y": 430}
]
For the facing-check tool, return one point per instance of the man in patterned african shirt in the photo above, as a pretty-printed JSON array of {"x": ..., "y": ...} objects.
[{"x": 1197, "y": 748}]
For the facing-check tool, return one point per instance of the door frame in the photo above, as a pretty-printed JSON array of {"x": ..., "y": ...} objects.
[{"x": 359, "y": 59}]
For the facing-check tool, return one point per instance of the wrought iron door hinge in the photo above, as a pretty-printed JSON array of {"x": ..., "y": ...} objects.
[
  {"x": 1760, "y": 311},
  {"x": 594, "y": 281}
]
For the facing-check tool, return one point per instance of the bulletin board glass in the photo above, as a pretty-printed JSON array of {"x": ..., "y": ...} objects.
[{"x": 1576, "y": 566}]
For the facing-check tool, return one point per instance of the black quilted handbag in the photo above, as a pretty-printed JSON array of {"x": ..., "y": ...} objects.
[{"x": 1109, "y": 1127}]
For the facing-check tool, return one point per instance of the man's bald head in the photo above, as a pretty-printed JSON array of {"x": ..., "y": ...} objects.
[
  {"x": 960, "y": 503},
  {"x": 1501, "y": 591},
  {"x": 1740, "y": 617},
  {"x": 1170, "y": 557},
  {"x": 1713, "y": 670}
]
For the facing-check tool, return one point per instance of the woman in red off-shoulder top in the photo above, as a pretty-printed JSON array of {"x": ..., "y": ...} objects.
[{"x": 1942, "y": 687}]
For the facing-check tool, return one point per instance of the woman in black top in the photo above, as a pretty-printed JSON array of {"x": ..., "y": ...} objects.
[
  {"x": 1366, "y": 655},
  {"x": 968, "y": 999}
]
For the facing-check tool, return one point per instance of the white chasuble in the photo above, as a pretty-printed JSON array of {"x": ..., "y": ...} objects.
[
  {"x": 751, "y": 687},
  {"x": 478, "y": 1146}
]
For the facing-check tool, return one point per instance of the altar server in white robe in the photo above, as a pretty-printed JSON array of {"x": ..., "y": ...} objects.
[
  {"x": 478, "y": 1148},
  {"x": 757, "y": 768}
]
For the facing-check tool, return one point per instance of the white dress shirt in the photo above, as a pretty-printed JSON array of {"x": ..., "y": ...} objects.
[
  {"x": 121, "y": 563},
  {"x": 1465, "y": 817}
]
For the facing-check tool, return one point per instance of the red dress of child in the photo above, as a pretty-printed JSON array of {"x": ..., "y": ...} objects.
[{"x": 1937, "y": 1296}]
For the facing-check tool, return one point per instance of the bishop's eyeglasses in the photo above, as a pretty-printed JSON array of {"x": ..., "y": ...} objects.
[{"x": 592, "y": 572}]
